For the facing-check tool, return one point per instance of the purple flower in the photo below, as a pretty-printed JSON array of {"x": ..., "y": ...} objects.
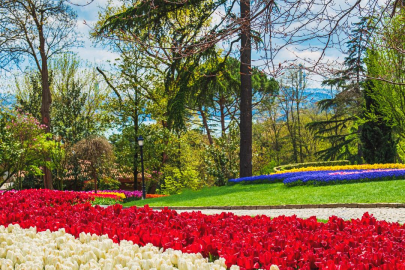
[{"x": 332, "y": 176}]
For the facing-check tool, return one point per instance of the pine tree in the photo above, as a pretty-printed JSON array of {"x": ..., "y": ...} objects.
[{"x": 343, "y": 130}]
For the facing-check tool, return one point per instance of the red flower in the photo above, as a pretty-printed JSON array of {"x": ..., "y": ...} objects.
[{"x": 252, "y": 243}]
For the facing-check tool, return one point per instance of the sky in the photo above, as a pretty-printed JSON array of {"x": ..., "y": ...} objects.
[
  {"x": 88, "y": 16},
  {"x": 99, "y": 56}
]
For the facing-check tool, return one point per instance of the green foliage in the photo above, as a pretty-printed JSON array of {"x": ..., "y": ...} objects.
[
  {"x": 25, "y": 146},
  {"x": 169, "y": 31},
  {"x": 174, "y": 183},
  {"x": 186, "y": 167},
  {"x": 104, "y": 201},
  {"x": 401, "y": 150},
  {"x": 221, "y": 159},
  {"x": 29, "y": 93},
  {"x": 176, "y": 180},
  {"x": 387, "y": 66},
  {"x": 108, "y": 183},
  {"x": 357, "y": 47},
  {"x": 342, "y": 129},
  {"x": 10, "y": 148},
  {"x": 160, "y": 20},
  {"x": 268, "y": 168},
  {"x": 341, "y": 132},
  {"x": 311, "y": 164},
  {"x": 379, "y": 145},
  {"x": 124, "y": 144},
  {"x": 80, "y": 100}
]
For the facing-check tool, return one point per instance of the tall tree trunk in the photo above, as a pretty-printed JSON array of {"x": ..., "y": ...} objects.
[
  {"x": 135, "y": 165},
  {"x": 290, "y": 128},
  {"x": 222, "y": 112},
  {"x": 360, "y": 129},
  {"x": 276, "y": 141},
  {"x": 165, "y": 156},
  {"x": 95, "y": 180},
  {"x": 46, "y": 103},
  {"x": 205, "y": 123},
  {"x": 297, "y": 103},
  {"x": 179, "y": 153},
  {"x": 291, "y": 124},
  {"x": 245, "y": 154}
]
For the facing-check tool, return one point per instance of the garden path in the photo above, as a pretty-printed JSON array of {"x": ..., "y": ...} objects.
[{"x": 384, "y": 213}]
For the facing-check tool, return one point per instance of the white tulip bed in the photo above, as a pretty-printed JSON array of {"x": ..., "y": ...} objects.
[{"x": 27, "y": 249}]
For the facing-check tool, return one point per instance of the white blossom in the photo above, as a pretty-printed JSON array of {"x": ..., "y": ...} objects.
[{"x": 31, "y": 250}]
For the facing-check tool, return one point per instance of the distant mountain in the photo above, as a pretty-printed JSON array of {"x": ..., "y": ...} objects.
[{"x": 316, "y": 94}]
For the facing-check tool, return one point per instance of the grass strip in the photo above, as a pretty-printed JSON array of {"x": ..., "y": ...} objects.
[{"x": 279, "y": 194}]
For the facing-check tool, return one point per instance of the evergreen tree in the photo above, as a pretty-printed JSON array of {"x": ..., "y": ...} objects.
[
  {"x": 379, "y": 145},
  {"x": 343, "y": 129}
]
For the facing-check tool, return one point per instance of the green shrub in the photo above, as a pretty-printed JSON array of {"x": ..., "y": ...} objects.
[
  {"x": 268, "y": 168},
  {"x": 177, "y": 180},
  {"x": 108, "y": 183}
]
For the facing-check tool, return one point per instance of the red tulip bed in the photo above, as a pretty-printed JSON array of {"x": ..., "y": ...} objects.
[{"x": 249, "y": 242}]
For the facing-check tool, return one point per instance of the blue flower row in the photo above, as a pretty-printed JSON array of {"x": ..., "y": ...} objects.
[
  {"x": 325, "y": 176},
  {"x": 272, "y": 177}
]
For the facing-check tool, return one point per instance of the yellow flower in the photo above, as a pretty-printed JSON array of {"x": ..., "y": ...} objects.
[
  {"x": 348, "y": 167},
  {"x": 118, "y": 194}
]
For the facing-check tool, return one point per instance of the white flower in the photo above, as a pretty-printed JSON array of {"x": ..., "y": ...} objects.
[{"x": 25, "y": 249}]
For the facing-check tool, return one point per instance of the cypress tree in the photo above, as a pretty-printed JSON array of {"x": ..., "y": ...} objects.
[{"x": 379, "y": 145}]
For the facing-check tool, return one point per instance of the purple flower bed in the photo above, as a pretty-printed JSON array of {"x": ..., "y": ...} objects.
[
  {"x": 325, "y": 177},
  {"x": 128, "y": 194},
  {"x": 340, "y": 176},
  {"x": 273, "y": 177}
]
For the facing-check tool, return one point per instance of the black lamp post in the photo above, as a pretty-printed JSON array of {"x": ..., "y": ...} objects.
[{"x": 140, "y": 142}]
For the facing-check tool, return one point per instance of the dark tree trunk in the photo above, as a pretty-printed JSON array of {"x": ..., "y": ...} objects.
[
  {"x": 205, "y": 123},
  {"x": 165, "y": 156},
  {"x": 135, "y": 165},
  {"x": 245, "y": 93},
  {"x": 46, "y": 103},
  {"x": 179, "y": 153},
  {"x": 136, "y": 129},
  {"x": 293, "y": 139},
  {"x": 222, "y": 112},
  {"x": 95, "y": 180}
]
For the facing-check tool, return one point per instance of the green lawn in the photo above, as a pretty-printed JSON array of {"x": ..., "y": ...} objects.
[{"x": 278, "y": 194}]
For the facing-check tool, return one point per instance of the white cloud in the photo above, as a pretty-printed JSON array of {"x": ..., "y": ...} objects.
[{"x": 96, "y": 55}]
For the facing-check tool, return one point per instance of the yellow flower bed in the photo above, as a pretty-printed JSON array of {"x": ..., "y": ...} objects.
[
  {"x": 118, "y": 194},
  {"x": 347, "y": 167}
]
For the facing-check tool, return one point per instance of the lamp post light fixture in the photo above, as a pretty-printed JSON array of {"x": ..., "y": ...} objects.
[{"x": 140, "y": 143}]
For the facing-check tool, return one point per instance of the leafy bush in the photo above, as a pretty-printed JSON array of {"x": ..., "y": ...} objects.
[
  {"x": 177, "y": 180},
  {"x": 268, "y": 168},
  {"x": 221, "y": 160},
  {"x": 107, "y": 183}
]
